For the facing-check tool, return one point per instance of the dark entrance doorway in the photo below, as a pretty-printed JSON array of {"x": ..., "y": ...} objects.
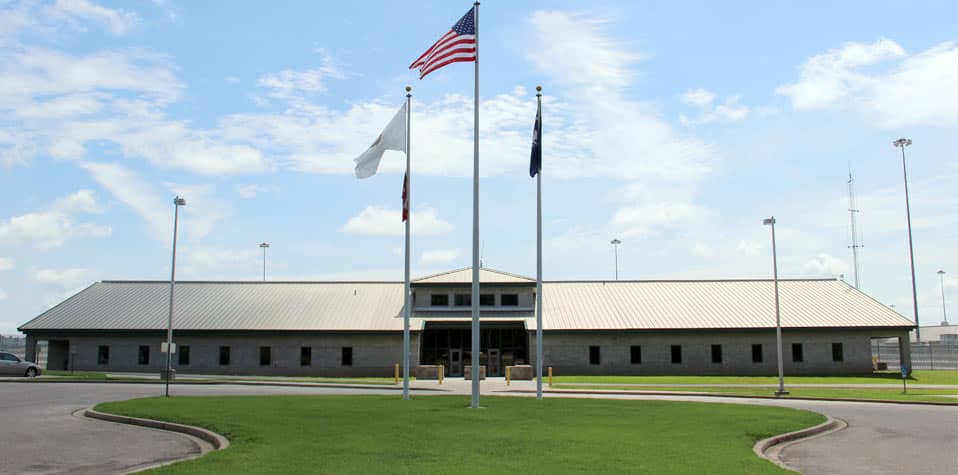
[{"x": 450, "y": 344}]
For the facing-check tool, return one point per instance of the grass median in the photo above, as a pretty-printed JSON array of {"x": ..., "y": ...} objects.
[{"x": 439, "y": 434}]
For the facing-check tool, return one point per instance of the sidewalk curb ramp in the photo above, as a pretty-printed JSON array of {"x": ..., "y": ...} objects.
[
  {"x": 771, "y": 448},
  {"x": 216, "y": 441}
]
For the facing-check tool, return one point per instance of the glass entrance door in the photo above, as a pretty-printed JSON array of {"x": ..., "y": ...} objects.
[
  {"x": 455, "y": 362},
  {"x": 495, "y": 368}
]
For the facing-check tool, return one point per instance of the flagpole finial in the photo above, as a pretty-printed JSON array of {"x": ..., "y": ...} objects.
[
  {"x": 538, "y": 88},
  {"x": 408, "y": 88}
]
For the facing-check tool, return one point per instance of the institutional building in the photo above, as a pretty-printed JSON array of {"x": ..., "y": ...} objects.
[{"x": 355, "y": 328}]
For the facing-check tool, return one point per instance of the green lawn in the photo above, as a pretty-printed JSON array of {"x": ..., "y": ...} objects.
[
  {"x": 882, "y": 394},
  {"x": 439, "y": 434},
  {"x": 882, "y": 377}
]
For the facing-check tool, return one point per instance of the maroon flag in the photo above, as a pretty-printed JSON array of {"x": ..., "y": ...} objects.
[{"x": 405, "y": 197}]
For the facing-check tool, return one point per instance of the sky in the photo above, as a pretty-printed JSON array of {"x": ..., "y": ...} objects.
[{"x": 675, "y": 127}]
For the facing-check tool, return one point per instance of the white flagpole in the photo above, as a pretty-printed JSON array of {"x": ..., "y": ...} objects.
[
  {"x": 539, "y": 252},
  {"x": 475, "y": 224},
  {"x": 406, "y": 290}
]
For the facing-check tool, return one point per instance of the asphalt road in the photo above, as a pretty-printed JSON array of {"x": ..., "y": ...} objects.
[{"x": 40, "y": 434}]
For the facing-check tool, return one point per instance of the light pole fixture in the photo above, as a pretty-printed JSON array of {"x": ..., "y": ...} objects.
[
  {"x": 902, "y": 143},
  {"x": 177, "y": 202},
  {"x": 944, "y": 314},
  {"x": 778, "y": 317},
  {"x": 264, "y": 246},
  {"x": 615, "y": 247}
]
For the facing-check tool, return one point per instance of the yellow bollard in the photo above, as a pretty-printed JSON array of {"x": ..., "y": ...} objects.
[
  {"x": 550, "y": 376},
  {"x": 441, "y": 367},
  {"x": 396, "y": 374},
  {"x": 508, "y": 375}
]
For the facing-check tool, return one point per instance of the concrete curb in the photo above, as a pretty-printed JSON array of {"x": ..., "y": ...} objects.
[
  {"x": 691, "y": 393},
  {"x": 771, "y": 447},
  {"x": 217, "y": 441}
]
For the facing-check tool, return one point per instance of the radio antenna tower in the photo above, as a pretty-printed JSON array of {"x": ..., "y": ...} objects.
[{"x": 852, "y": 212}]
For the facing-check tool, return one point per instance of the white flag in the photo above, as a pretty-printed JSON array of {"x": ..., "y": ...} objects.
[{"x": 392, "y": 138}]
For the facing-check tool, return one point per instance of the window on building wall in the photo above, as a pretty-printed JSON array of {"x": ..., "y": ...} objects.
[
  {"x": 184, "y": 355},
  {"x": 636, "y": 354},
  {"x": 463, "y": 300},
  {"x": 103, "y": 355},
  {"x": 757, "y": 353},
  {"x": 716, "y": 353},
  {"x": 510, "y": 300},
  {"x": 347, "y": 356},
  {"x": 487, "y": 300},
  {"x": 594, "y": 355},
  {"x": 798, "y": 353},
  {"x": 143, "y": 355},
  {"x": 838, "y": 353},
  {"x": 439, "y": 300},
  {"x": 306, "y": 356},
  {"x": 676, "y": 354},
  {"x": 265, "y": 355},
  {"x": 224, "y": 356}
]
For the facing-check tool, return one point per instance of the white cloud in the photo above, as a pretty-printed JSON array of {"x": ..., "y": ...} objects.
[
  {"x": 292, "y": 85},
  {"x": 641, "y": 220},
  {"x": 708, "y": 110},
  {"x": 116, "y": 22},
  {"x": 113, "y": 96},
  {"x": 579, "y": 39},
  {"x": 6, "y": 263},
  {"x": 825, "y": 265},
  {"x": 203, "y": 262},
  {"x": 917, "y": 91},
  {"x": 127, "y": 187},
  {"x": 250, "y": 190},
  {"x": 749, "y": 248},
  {"x": 921, "y": 91},
  {"x": 62, "y": 282},
  {"x": 698, "y": 97},
  {"x": 376, "y": 220},
  {"x": 3, "y": 295},
  {"x": 53, "y": 227},
  {"x": 827, "y": 77},
  {"x": 440, "y": 256}
]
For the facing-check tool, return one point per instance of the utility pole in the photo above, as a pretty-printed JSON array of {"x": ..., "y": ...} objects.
[{"x": 852, "y": 212}]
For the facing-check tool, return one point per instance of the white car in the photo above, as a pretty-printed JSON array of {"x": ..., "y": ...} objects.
[{"x": 10, "y": 365}]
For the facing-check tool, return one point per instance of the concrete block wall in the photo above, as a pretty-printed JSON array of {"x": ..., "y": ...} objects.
[
  {"x": 373, "y": 354},
  {"x": 568, "y": 353}
]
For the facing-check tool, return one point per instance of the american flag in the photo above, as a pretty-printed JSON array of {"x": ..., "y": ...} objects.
[{"x": 457, "y": 45}]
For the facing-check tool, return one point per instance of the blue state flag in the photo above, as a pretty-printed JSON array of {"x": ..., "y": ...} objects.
[{"x": 535, "y": 163}]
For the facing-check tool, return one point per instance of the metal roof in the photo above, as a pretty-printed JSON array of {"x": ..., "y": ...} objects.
[
  {"x": 229, "y": 306},
  {"x": 377, "y": 306},
  {"x": 664, "y": 305},
  {"x": 464, "y": 276}
]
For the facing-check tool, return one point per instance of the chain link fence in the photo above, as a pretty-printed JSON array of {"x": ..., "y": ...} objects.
[{"x": 927, "y": 355}]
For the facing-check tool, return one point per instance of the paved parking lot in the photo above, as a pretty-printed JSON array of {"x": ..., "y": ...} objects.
[{"x": 40, "y": 434}]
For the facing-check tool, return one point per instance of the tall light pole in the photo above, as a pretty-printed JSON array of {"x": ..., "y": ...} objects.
[
  {"x": 778, "y": 317},
  {"x": 264, "y": 246},
  {"x": 615, "y": 246},
  {"x": 944, "y": 314},
  {"x": 177, "y": 202},
  {"x": 902, "y": 143}
]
